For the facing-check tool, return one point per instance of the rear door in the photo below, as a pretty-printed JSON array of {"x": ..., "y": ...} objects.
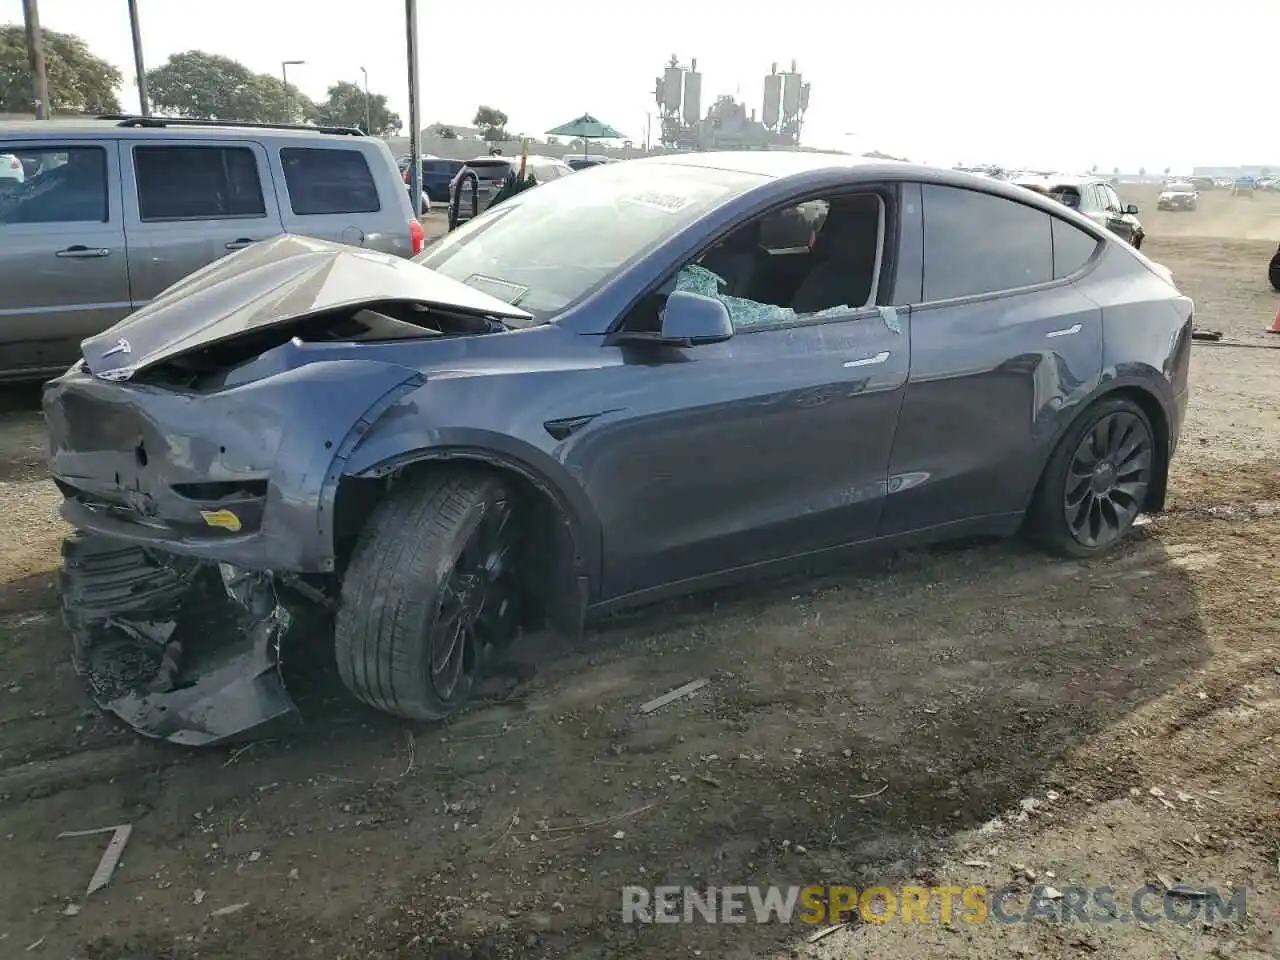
[
  {"x": 1002, "y": 345},
  {"x": 189, "y": 202},
  {"x": 65, "y": 274}
]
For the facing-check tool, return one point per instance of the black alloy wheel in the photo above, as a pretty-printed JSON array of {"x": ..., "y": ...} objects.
[
  {"x": 477, "y": 603},
  {"x": 1108, "y": 478},
  {"x": 432, "y": 592}
]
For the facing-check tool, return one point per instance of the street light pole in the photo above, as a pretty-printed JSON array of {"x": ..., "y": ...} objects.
[
  {"x": 415, "y": 132},
  {"x": 35, "y": 51},
  {"x": 368, "y": 125},
  {"x": 143, "y": 101},
  {"x": 284, "y": 76}
]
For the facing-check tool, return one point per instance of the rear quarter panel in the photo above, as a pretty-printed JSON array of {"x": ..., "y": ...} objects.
[{"x": 1146, "y": 330}]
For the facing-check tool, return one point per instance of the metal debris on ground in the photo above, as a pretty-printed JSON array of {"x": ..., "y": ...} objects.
[
  {"x": 671, "y": 695},
  {"x": 110, "y": 858},
  {"x": 224, "y": 911},
  {"x": 1206, "y": 334},
  {"x": 824, "y": 933}
]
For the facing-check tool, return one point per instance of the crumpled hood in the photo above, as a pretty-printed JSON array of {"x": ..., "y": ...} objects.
[{"x": 267, "y": 284}]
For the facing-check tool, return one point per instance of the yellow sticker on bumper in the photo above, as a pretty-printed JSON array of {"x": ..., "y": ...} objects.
[{"x": 221, "y": 518}]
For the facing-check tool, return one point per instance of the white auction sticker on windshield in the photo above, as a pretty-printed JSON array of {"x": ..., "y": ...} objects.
[{"x": 668, "y": 202}]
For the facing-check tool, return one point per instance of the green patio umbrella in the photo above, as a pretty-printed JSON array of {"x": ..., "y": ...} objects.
[{"x": 586, "y": 128}]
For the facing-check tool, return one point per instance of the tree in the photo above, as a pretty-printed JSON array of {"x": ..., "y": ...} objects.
[
  {"x": 1264, "y": 172},
  {"x": 1115, "y": 171},
  {"x": 443, "y": 131},
  {"x": 79, "y": 82},
  {"x": 1142, "y": 171},
  {"x": 345, "y": 107},
  {"x": 1093, "y": 169},
  {"x": 1166, "y": 170},
  {"x": 205, "y": 85},
  {"x": 492, "y": 123}
]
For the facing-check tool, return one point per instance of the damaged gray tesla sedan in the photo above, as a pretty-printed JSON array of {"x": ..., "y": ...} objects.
[{"x": 675, "y": 373}]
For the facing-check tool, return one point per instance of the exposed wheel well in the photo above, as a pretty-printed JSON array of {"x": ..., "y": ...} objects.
[{"x": 550, "y": 551}]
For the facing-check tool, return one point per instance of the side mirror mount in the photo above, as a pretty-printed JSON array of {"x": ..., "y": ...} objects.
[
  {"x": 688, "y": 320},
  {"x": 1131, "y": 209}
]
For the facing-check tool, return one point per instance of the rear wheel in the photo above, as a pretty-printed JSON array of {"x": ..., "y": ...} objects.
[
  {"x": 1097, "y": 481},
  {"x": 1273, "y": 272},
  {"x": 430, "y": 593}
]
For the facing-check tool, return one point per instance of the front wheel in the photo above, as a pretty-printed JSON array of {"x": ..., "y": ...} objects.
[
  {"x": 1097, "y": 481},
  {"x": 1273, "y": 272},
  {"x": 430, "y": 593},
  {"x": 1137, "y": 240}
]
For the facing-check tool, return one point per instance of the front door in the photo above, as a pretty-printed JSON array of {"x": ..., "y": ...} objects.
[
  {"x": 772, "y": 444},
  {"x": 66, "y": 273},
  {"x": 191, "y": 203}
]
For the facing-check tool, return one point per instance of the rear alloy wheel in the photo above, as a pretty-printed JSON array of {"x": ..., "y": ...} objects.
[
  {"x": 430, "y": 594},
  {"x": 1273, "y": 272},
  {"x": 1097, "y": 481}
]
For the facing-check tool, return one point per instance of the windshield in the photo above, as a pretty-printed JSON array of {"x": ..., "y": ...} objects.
[{"x": 547, "y": 248}]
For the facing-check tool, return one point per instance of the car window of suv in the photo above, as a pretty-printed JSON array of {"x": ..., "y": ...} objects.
[
  {"x": 325, "y": 181},
  {"x": 197, "y": 183},
  {"x": 977, "y": 243},
  {"x": 1113, "y": 199},
  {"x": 58, "y": 185}
]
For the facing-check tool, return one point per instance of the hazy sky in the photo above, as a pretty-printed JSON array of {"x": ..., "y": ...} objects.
[{"x": 1124, "y": 83}]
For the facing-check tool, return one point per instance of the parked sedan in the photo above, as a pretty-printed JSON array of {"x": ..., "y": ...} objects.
[{"x": 560, "y": 410}]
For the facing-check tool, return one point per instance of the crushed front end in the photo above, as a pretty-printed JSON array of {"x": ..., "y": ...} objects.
[
  {"x": 204, "y": 536},
  {"x": 180, "y": 650}
]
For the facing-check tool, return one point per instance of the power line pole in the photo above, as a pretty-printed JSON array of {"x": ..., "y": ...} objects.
[
  {"x": 143, "y": 102},
  {"x": 35, "y": 51},
  {"x": 415, "y": 128}
]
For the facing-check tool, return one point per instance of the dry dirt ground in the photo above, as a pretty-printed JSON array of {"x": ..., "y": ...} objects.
[{"x": 968, "y": 715}]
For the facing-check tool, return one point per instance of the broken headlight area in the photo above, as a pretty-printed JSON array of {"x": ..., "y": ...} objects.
[{"x": 181, "y": 650}]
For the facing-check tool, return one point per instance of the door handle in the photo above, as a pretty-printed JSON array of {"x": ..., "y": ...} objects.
[
  {"x": 1066, "y": 331},
  {"x": 81, "y": 252},
  {"x": 239, "y": 244},
  {"x": 880, "y": 357}
]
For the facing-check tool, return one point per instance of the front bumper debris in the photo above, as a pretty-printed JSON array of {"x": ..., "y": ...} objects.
[{"x": 180, "y": 650}]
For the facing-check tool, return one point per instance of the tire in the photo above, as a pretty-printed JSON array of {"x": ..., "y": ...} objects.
[
  {"x": 1137, "y": 240},
  {"x": 1068, "y": 492},
  {"x": 416, "y": 563},
  {"x": 1273, "y": 272}
]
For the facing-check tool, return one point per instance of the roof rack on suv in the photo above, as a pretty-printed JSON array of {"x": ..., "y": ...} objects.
[{"x": 132, "y": 120}]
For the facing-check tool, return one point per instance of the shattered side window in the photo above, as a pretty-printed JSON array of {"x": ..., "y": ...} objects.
[{"x": 745, "y": 314}]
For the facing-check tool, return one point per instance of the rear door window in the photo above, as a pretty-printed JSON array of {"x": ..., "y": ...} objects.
[
  {"x": 53, "y": 185},
  {"x": 977, "y": 243},
  {"x": 197, "y": 183},
  {"x": 328, "y": 181}
]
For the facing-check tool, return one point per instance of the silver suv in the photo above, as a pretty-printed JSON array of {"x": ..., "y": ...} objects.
[{"x": 110, "y": 212}]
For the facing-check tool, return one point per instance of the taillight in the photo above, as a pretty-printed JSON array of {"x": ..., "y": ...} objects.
[
  {"x": 406, "y": 176},
  {"x": 417, "y": 236},
  {"x": 14, "y": 163}
]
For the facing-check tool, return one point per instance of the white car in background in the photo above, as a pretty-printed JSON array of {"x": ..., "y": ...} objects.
[
  {"x": 11, "y": 170},
  {"x": 1178, "y": 195}
]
